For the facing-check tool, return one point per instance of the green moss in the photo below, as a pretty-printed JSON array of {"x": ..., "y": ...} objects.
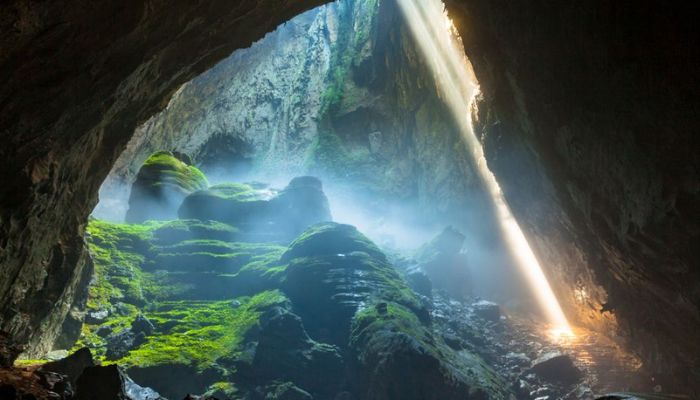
[
  {"x": 234, "y": 191},
  {"x": 162, "y": 169},
  {"x": 173, "y": 232},
  {"x": 118, "y": 252},
  {"x": 203, "y": 333},
  {"x": 331, "y": 238},
  {"x": 213, "y": 255}
]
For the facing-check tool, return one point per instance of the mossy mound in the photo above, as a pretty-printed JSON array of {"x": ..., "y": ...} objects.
[
  {"x": 334, "y": 269},
  {"x": 331, "y": 239},
  {"x": 399, "y": 357},
  {"x": 160, "y": 186}
]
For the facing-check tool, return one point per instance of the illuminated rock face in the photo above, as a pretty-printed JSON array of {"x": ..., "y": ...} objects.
[
  {"x": 594, "y": 100},
  {"x": 589, "y": 136}
]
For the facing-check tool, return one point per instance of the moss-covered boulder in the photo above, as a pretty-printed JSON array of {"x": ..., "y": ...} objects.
[
  {"x": 348, "y": 294},
  {"x": 332, "y": 271},
  {"x": 161, "y": 184},
  {"x": 399, "y": 357},
  {"x": 260, "y": 213}
]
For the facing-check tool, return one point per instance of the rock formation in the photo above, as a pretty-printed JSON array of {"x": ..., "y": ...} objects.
[{"x": 597, "y": 100}]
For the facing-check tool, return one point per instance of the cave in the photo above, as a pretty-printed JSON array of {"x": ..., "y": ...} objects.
[{"x": 349, "y": 200}]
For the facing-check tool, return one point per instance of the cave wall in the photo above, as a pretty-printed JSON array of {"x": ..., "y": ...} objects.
[
  {"x": 589, "y": 117},
  {"x": 339, "y": 92},
  {"x": 597, "y": 99},
  {"x": 77, "y": 80}
]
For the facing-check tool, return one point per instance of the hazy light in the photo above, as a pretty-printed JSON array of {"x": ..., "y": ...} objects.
[{"x": 443, "y": 50}]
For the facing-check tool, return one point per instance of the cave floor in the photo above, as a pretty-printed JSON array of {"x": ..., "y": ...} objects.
[{"x": 511, "y": 344}]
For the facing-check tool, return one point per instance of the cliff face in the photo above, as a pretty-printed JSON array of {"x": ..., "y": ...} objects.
[
  {"x": 590, "y": 125},
  {"x": 339, "y": 92}
]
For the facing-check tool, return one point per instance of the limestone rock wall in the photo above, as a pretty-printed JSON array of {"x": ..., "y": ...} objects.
[
  {"x": 590, "y": 125},
  {"x": 77, "y": 80},
  {"x": 338, "y": 92}
]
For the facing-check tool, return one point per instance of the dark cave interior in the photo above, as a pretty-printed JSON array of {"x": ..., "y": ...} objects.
[{"x": 170, "y": 171}]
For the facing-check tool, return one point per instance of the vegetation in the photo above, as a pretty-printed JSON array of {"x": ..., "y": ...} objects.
[
  {"x": 201, "y": 332},
  {"x": 162, "y": 169}
]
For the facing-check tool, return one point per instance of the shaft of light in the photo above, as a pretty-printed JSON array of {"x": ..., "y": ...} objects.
[{"x": 439, "y": 43}]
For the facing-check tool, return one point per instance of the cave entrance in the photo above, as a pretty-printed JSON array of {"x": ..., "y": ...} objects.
[{"x": 217, "y": 268}]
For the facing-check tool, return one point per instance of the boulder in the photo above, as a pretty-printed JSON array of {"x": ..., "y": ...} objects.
[
  {"x": 331, "y": 239},
  {"x": 556, "y": 367},
  {"x": 119, "y": 344},
  {"x": 237, "y": 204},
  {"x": 71, "y": 366},
  {"x": 487, "y": 310},
  {"x": 102, "y": 383},
  {"x": 161, "y": 184},
  {"x": 142, "y": 324},
  {"x": 441, "y": 259},
  {"x": 399, "y": 357},
  {"x": 333, "y": 270}
]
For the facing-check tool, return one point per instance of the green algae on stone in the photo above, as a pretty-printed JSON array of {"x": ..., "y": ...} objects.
[
  {"x": 383, "y": 330},
  {"x": 329, "y": 238},
  {"x": 160, "y": 186},
  {"x": 173, "y": 232},
  {"x": 200, "y": 332}
]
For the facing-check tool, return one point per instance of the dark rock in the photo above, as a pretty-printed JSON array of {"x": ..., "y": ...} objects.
[
  {"x": 442, "y": 261},
  {"x": 399, "y": 358},
  {"x": 420, "y": 283},
  {"x": 285, "y": 352},
  {"x": 104, "y": 331},
  {"x": 161, "y": 184},
  {"x": 9, "y": 351},
  {"x": 101, "y": 383},
  {"x": 301, "y": 204},
  {"x": 142, "y": 324},
  {"x": 333, "y": 270},
  {"x": 557, "y": 368},
  {"x": 71, "y": 366},
  {"x": 56, "y": 383},
  {"x": 7, "y": 391},
  {"x": 487, "y": 310},
  {"x": 119, "y": 344}
]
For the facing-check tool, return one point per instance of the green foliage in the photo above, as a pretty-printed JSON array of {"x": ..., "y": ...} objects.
[{"x": 201, "y": 332}]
